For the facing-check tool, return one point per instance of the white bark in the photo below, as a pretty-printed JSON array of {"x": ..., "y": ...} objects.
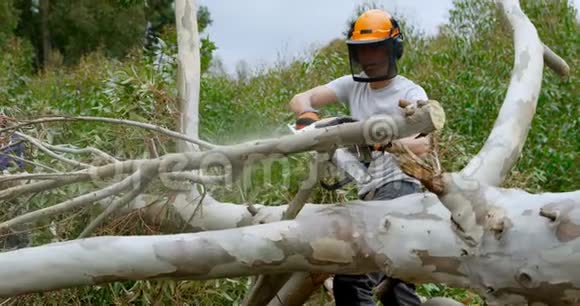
[
  {"x": 506, "y": 140},
  {"x": 142, "y": 125},
  {"x": 220, "y": 215},
  {"x": 188, "y": 85},
  {"x": 528, "y": 257},
  {"x": 189, "y": 71},
  {"x": 91, "y": 150},
  {"x": 44, "y": 149},
  {"x": 266, "y": 287},
  {"x": 374, "y": 130},
  {"x": 71, "y": 204},
  {"x": 525, "y": 251}
]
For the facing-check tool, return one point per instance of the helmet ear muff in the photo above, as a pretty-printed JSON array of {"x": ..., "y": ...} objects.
[{"x": 398, "y": 39}]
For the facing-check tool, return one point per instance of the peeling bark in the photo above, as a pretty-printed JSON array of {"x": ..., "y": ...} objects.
[
  {"x": 511, "y": 247},
  {"x": 526, "y": 260},
  {"x": 189, "y": 71},
  {"x": 267, "y": 286},
  {"x": 188, "y": 85},
  {"x": 378, "y": 129},
  {"x": 505, "y": 142}
]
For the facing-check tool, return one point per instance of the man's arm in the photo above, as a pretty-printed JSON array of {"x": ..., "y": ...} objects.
[{"x": 312, "y": 99}]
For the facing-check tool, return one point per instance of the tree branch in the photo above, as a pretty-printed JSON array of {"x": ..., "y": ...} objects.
[
  {"x": 28, "y": 161},
  {"x": 267, "y": 286},
  {"x": 304, "y": 191},
  {"x": 142, "y": 125},
  {"x": 196, "y": 178},
  {"x": 140, "y": 180},
  {"x": 375, "y": 130},
  {"x": 504, "y": 144},
  {"x": 298, "y": 289},
  {"x": 44, "y": 176},
  {"x": 10, "y": 193},
  {"x": 555, "y": 62},
  {"x": 441, "y": 301},
  {"x": 72, "y": 203},
  {"x": 519, "y": 261},
  {"x": 506, "y": 140},
  {"x": 44, "y": 149},
  {"x": 89, "y": 150},
  {"x": 189, "y": 68}
]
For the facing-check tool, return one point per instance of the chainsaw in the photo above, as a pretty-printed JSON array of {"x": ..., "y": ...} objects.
[{"x": 347, "y": 161}]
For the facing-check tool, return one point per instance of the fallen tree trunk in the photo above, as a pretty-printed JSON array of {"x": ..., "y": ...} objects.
[
  {"x": 232, "y": 158},
  {"x": 532, "y": 259}
]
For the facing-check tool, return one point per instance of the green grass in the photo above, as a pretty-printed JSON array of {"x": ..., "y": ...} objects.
[{"x": 467, "y": 73}]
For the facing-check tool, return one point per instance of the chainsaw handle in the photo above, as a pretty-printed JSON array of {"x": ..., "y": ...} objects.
[{"x": 334, "y": 121}]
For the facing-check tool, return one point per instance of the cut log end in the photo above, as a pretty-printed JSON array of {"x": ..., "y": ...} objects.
[{"x": 437, "y": 114}]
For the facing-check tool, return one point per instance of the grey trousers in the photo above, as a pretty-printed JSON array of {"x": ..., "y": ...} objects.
[{"x": 357, "y": 290}]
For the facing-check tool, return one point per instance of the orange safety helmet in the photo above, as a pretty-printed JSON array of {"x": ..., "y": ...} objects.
[{"x": 375, "y": 44}]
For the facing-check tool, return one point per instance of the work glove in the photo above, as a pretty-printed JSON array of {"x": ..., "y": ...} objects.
[{"x": 306, "y": 118}]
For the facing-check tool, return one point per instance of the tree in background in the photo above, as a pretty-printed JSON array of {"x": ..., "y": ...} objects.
[
  {"x": 65, "y": 30},
  {"x": 8, "y": 20}
]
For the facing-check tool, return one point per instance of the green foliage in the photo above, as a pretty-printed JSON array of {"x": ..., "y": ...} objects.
[
  {"x": 207, "y": 46},
  {"x": 438, "y": 290},
  {"x": 467, "y": 68},
  {"x": 8, "y": 20},
  {"x": 206, "y": 53},
  {"x": 80, "y": 26},
  {"x": 203, "y": 18},
  {"x": 16, "y": 64},
  {"x": 114, "y": 28}
]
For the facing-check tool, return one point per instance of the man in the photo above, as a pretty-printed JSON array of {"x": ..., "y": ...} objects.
[{"x": 375, "y": 44}]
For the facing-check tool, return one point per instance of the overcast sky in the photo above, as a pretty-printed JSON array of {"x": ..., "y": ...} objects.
[{"x": 262, "y": 31}]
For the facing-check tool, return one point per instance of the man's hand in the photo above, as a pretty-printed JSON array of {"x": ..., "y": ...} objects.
[
  {"x": 417, "y": 145},
  {"x": 314, "y": 98},
  {"x": 408, "y": 107},
  {"x": 305, "y": 119}
]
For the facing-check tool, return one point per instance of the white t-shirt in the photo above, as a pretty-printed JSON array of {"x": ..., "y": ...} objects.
[{"x": 363, "y": 102}]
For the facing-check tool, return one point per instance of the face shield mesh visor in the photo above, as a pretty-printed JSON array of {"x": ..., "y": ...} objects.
[{"x": 371, "y": 62}]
